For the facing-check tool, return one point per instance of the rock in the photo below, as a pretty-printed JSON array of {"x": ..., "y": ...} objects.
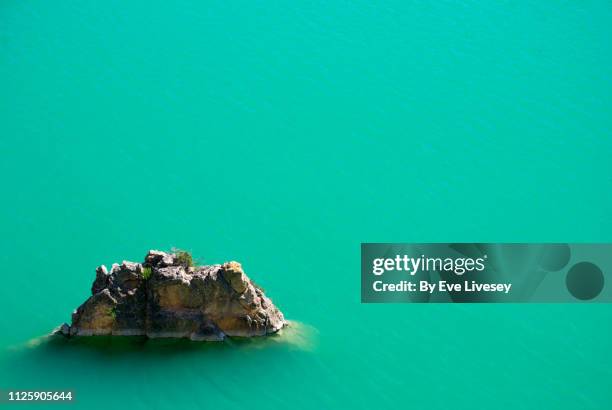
[
  {"x": 95, "y": 316},
  {"x": 232, "y": 272},
  {"x": 101, "y": 280},
  {"x": 159, "y": 259},
  {"x": 175, "y": 300},
  {"x": 127, "y": 276}
]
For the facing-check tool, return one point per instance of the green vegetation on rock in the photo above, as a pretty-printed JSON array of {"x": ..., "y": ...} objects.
[{"x": 184, "y": 258}]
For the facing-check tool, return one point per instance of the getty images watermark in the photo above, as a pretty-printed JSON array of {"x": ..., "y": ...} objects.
[{"x": 485, "y": 272}]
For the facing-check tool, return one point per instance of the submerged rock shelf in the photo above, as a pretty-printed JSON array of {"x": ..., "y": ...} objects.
[{"x": 167, "y": 297}]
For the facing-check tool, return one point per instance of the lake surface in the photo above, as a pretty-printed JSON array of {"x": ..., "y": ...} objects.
[{"x": 282, "y": 135}]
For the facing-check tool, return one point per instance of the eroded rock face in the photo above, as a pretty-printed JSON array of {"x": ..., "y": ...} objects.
[{"x": 163, "y": 297}]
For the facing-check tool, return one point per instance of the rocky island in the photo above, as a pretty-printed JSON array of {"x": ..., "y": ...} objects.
[{"x": 166, "y": 296}]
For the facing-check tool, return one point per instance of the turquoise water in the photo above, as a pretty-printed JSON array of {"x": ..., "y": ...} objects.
[{"x": 283, "y": 134}]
